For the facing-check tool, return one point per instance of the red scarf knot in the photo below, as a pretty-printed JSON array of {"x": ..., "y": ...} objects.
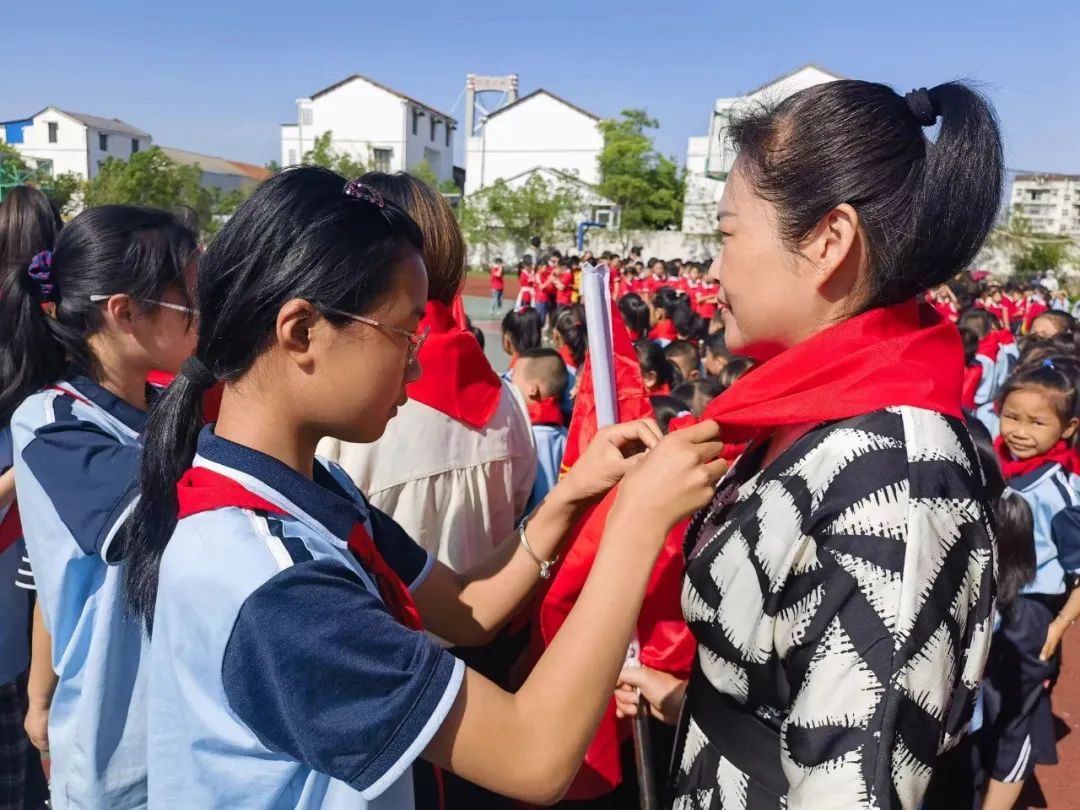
[{"x": 1012, "y": 467}]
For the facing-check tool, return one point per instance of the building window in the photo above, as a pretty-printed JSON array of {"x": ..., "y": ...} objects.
[
  {"x": 134, "y": 145},
  {"x": 448, "y": 133},
  {"x": 305, "y": 117},
  {"x": 415, "y": 121},
  {"x": 292, "y": 157},
  {"x": 380, "y": 159},
  {"x": 53, "y": 128},
  {"x": 103, "y": 142},
  {"x": 434, "y": 126}
]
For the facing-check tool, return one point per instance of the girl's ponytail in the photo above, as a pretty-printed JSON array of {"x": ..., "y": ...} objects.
[
  {"x": 172, "y": 431},
  {"x": 30, "y": 355}
]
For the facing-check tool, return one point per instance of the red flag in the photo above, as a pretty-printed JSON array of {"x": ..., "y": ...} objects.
[{"x": 666, "y": 642}]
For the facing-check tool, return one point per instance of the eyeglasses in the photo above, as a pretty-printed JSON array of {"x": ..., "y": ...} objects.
[
  {"x": 97, "y": 299},
  {"x": 416, "y": 339}
]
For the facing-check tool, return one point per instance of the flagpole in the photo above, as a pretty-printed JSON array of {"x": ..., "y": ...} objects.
[{"x": 596, "y": 295}]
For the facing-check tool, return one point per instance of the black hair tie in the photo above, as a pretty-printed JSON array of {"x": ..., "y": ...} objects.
[
  {"x": 196, "y": 372},
  {"x": 922, "y": 107}
]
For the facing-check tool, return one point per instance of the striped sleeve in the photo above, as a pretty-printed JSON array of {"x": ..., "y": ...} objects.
[{"x": 24, "y": 577}]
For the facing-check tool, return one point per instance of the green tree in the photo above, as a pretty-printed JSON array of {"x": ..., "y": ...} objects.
[
  {"x": 323, "y": 154},
  {"x": 273, "y": 167},
  {"x": 647, "y": 186},
  {"x": 500, "y": 213},
  {"x": 423, "y": 171},
  {"x": 1032, "y": 254},
  {"x": 150, "y": 177},
  {"x": 15, "y": 170},
  {"x": 449, "y": 187}
]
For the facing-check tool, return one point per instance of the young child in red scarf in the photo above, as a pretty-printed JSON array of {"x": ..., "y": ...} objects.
[
  {"x": 541, "y": 377},
  {"x": 1038, "y": 424},
  {"x": 498, "y": 285}
]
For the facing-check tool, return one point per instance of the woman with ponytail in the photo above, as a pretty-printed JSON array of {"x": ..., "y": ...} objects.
[
  {"x": 288, "y": 666},
  {"x": 840, "y": 585},
  {"x": 80, "y": 329}
]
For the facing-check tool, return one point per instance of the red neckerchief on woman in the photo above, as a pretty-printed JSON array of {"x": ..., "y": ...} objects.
[
  {"x": 899, "y": 355},
  {"x": 1012, "y": 467},
  {"x": 458, "y": 379},
  {"x": 203, "y": 490},
  {"x": 546, "y": 411}
]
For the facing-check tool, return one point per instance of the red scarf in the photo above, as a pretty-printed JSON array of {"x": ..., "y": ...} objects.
[
  {"x": 972, "y": 378},
  {"x": 203, "y": 490},
  {"x": 568, "y": 357},
  {"x": 991, "y": 345},
  {"x": 898, "y": 355},
  {"x": 545, "y": 412},
  {"x": 458, "y": 379},
  {"x": 10, "y": 528},
  {"x": 664, "y": 330},
  {"x": 1060, "y": 453}
]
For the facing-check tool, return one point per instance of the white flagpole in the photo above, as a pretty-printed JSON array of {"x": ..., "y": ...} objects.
[{"x": 596, "y": 293}]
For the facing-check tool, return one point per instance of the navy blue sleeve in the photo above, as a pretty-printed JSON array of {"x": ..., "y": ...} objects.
[
  {"x": 1065, "y": 528},
  {"x": 399, "y": 550},
  {"x": 89, "y": 476},
  {"x": 319, "y": 671}
]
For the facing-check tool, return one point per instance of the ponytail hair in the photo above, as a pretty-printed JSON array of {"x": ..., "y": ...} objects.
[
  {"x": 304, "y": 233},
  {"x": 570, "y": 324},
  {"x": 924, "y": 207},
  {"x": 49, "y": 309},
  {"x": 635, "y": 314}
]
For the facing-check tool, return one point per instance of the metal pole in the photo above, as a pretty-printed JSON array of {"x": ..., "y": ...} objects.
[{"x": 597, "y": 296}]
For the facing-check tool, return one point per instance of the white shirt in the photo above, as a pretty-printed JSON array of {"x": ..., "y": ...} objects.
[{"x": 457, "y": 490}]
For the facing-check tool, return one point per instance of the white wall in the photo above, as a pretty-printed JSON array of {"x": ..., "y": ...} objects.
[
  {"x": 68, "y": 154},
  {"x": 540, "y": 131},
  {"x": 119, "y": 146},
  {"x": 420, "y": 147},
  {"x": 663, "y": 244}
]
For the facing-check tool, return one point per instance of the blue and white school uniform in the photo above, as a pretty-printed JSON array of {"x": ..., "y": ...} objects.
[
  {"x": 550, "y": 447},
  {"x": 277, "y": 677},
  {"x": 14, "y": 600},
  {"x": 1018, "y": 713},
  {"x": 77, "y": 452}
]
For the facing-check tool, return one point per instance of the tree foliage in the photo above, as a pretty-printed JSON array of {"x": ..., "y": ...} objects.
[
  {"x": 535, "y": 208},
  {"x": 423, "y": 171},
  {"x": 149, "y": 177},
  {"x": 64, "y": 189},
  {"x": 1032, "y": 255},
  {"x": 323, "y": 154},
  {"x": 647, "y": 185}
]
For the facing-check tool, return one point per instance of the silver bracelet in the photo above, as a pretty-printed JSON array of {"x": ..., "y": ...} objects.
[{"x": 545, "y": 565}]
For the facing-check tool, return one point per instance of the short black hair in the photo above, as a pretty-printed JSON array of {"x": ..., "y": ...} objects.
[
  {"x": 545, "y": 366},
  {"x": 716, "y": 346}
]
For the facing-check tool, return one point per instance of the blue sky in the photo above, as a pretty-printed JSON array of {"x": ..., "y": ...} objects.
[{"x": 218, "y": 77}]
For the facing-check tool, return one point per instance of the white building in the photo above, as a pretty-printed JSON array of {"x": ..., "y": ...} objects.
[
  {"x": 73, "y": 142},
  {"x": 385, "y": 130},
  {"x": 539, "y": 130},
  {"x": 709, "y": 157},
  {"x": 220, "y": 173},
  {"x": 1051, "y": 202}
]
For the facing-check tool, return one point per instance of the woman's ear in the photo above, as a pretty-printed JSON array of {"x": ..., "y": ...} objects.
[
  {"x": 119, "y": 311},
  {"x": 650, "y": 379},
  {"x": 836, "y": 244}
]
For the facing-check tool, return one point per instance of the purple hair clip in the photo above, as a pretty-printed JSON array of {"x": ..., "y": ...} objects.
[
  {"x": 362, "y": 191},
  {"x": 41, "y": 271}
]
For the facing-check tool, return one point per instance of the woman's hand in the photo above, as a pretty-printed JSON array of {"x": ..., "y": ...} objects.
[
  {"x": 1054, "y": 634},
  {"x": 663, "y": 693},
  {"x": 614, "y": 451},
  {"x": 675, "y": 479}
]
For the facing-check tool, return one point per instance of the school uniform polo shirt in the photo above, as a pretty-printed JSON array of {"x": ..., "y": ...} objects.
[
  {"x": 14, "y": 600},
  {"x": 277, "y": 677},
  {"x": 77, "y": 453},
  {"x": 1055, "y": 509}
]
